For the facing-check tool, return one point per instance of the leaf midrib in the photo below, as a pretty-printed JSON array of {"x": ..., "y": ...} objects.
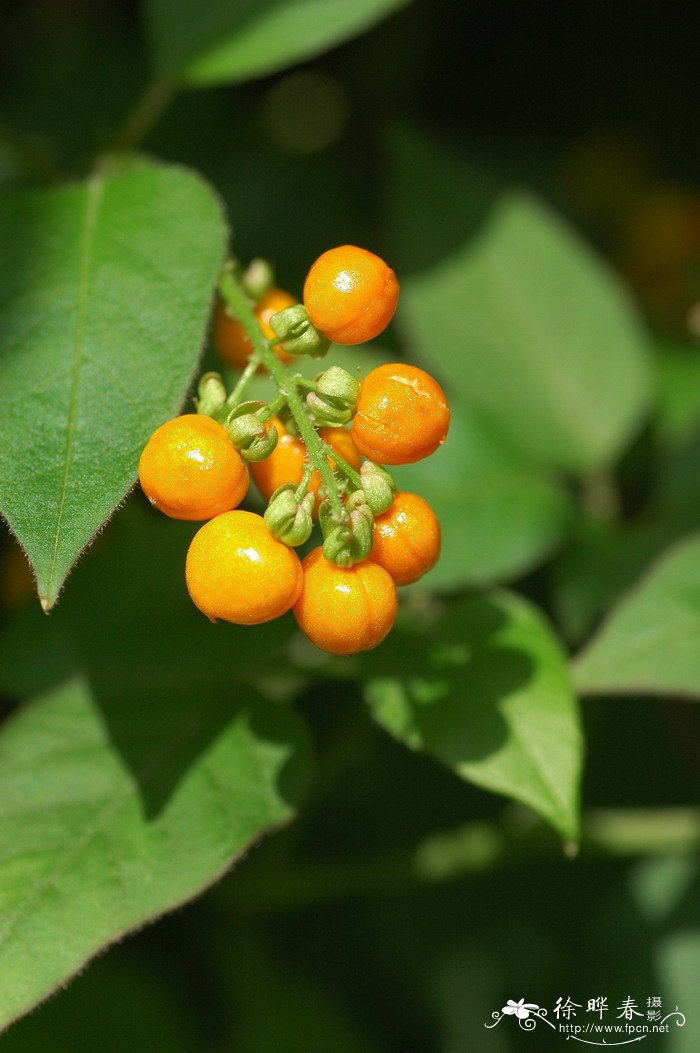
[{"x": 95, "y": 191}]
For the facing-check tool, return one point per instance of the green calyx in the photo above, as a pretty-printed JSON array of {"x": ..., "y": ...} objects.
[
  {"x": 347, "y": 540},
  {"x": 211, "y": 394},
  {"x": 334, "y": 400},
  {"x": 251, "y": 437},
  {"x": 296, "y": 333},
  {"x": 378, "y": 486},
  {"x": 287, "y": 519}
]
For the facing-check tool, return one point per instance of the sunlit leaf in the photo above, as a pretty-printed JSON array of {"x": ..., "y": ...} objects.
[
  {"x": 116, "y": 806},
  {"x": 215, "y": 41},
  {"x": 488, "y": 695},
  {"x": 105, "y": 293}
]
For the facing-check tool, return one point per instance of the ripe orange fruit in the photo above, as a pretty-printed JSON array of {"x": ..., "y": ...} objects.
[
  {"x": 350, "y": 294},
  {"x": 189, "y": 469}
]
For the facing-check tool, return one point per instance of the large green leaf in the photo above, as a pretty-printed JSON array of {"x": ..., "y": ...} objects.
[
  {"x": 105, "y": 292},
  {"x": 488, "y": 695},
  {"x": 649, "y": 645},
  {"x": 498, "y": 516},
  {"x": 600, "y": 561},
  {"x": 128, "y": 621},
  {"x": 535, "y": 334},
  {"x": 118, "y": 805},
  {"x": 215, "y": 41}
]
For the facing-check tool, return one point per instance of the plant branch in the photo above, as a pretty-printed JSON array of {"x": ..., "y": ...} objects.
[
  {"x": 347, "y": 470},
  {"x": 243, "y": 382},
  {"x": 148, "y": 110},
  {"x": 473, "y": 849},
  {"x": 233, "y": 292}
]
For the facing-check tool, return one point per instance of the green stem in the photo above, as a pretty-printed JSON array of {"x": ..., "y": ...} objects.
[
  {"x": 273, "y": 409},
  {"x": 243, "y": 382},
  {"x": 471, "y": 850},
  {"x": 234, "y": 294},
  {"x": 304, "y": 484},
  {"x": 600, "y": 497},
  {"x": 347, "y": 470},
  {"x": 144, "y": 116}
]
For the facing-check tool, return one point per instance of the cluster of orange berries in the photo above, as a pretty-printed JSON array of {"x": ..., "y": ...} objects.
[{"x": 240, "y": 566}]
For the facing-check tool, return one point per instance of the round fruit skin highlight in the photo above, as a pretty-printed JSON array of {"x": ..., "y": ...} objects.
[
  {"x": 237, "y": 571},
  {"x": 345, "y": 611},
  {"x": 189, "y": 469},
  {"x": 350, "y": 294},
  {"x": 402, "y": 415},
  {"x": 406, "y": 539}
]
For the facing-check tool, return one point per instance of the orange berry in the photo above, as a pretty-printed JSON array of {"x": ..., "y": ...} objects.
[
  {"x": 190, "y": 470},
  {"x": 345, "y": 611},
  {"x": 402, "y": 415},
  {"x": 350, "y": 294},
  {"x": 236, "y": 570},
  {"x": 287, "y": 461},
  {"x": 406, "y": 538},
  {"x": 284, "y": 465},
  {"x": 230, "y": 338}
]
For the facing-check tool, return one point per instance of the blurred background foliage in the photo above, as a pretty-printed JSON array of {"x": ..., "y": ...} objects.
[{"x": 465, "y": 142}]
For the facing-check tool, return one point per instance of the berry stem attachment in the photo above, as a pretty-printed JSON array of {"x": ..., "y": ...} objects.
[
  {"x": 273, "y": 409},
  {"x": 348, "y": 471},
  {"x": 235, "y": 296},
  {"x": 303, "y": 486}
]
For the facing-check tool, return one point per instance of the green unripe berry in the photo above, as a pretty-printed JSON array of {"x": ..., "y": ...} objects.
[
  {"x": 211, "y": 394},
  {"x": 289, "y": 520},
  {"x": 378, "y": 486},
  {"x": 334, "y": 400}
]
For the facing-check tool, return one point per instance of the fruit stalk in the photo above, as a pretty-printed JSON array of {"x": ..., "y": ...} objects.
[{"x": 235, "y": 296}]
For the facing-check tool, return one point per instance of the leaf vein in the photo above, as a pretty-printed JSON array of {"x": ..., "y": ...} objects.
[{"x": 92, "y": 209}]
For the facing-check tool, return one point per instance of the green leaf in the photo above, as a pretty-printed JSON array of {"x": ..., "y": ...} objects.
[
  {"x": 599, "y": 563},
  {"x": 127, "y": 620},
  {"x": 487, "y": 694},
  {"x": 499, "y": 517},
  {"x": 534, "y": 333},
  {"x": 117, "y": 806},
  {"x": 649, "y": 645},
  {"x": 218, "y": 42},
  {"x": 106, "y": 288}
]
